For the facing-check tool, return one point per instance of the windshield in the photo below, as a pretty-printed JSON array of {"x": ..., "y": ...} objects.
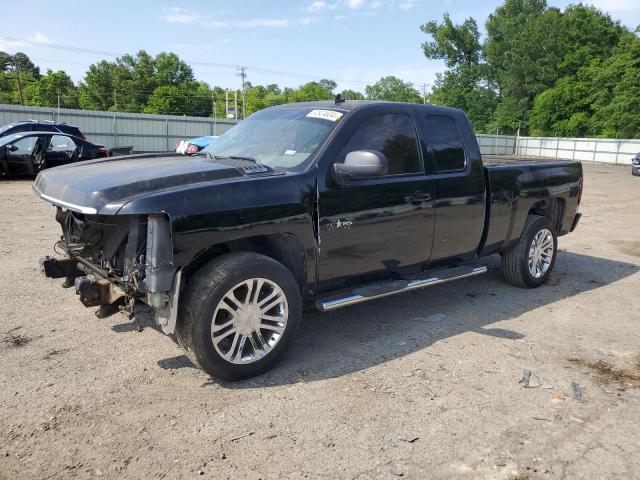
[
  {"x": 10, "y": 138},
  {"x": 7, "y": 127},
  {"x": 280, "y": 138}
]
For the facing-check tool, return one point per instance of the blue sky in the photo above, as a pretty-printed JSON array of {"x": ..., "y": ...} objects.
[{"x": 351, "y": 41}]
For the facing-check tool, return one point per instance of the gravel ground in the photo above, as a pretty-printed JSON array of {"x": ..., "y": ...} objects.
[{"x": 422, "y": 385}]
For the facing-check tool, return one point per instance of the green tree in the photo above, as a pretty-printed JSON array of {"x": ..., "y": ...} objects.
[
  {"x": 457, "y": 45},
  {"x": 525, "y": 44},
  {"x": 170, "y": 70},
  {"x": 601, "y": 99},
  {"x": 98, "y": 90},
  {"x": 45, "y": 91},
  {"x": 311, "y": 91},
  {"x": 615, "y": 91},
  {"x": 351, "y": 95},
  {"x": 25, "y": 65},
  {"x": 394, "y": 90},
  {"x": 189, "y": 98},
  {"x": 466, "y": 84},
  {"x": 7, "y": 79}
]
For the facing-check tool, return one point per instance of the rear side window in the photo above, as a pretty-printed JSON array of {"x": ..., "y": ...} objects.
[
  {"x": 392, "y": 134},
  {"x": 25, "y": 127},
  {"x": 444, "y": 137},
  {"x": 62, "y": 144},
  {"x": 75, "y": 131}
]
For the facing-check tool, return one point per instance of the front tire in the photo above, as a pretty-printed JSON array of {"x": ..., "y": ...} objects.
[
  {"x": 529, "y": 262},
  {"x": 238, "y": 315}
]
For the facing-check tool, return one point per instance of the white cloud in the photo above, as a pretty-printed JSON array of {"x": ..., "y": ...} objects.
[
  {"x": 309, "y": 20},
  {"x": 181, "y": 15},
  {"x": 362, "y": 7},
  {"x": 262, "y": 22},
  {"x": 39, "y": 37},
  {"x": 187, "y": 16},
  {"x": 408, "y": 5},
  {"x": 317, "y": 6},
  {"x": 355, "y": 4}
]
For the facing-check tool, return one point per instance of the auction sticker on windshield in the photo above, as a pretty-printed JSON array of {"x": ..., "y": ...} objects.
[{"x": 330, "y": 115}]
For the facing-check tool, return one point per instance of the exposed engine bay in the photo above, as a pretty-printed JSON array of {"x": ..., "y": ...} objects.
[{"x": 114, "y": 260}]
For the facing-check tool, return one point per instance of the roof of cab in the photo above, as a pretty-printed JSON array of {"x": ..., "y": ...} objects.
[{"x": 349, "y": 105}]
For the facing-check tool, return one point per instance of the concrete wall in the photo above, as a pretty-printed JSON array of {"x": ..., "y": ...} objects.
[
  {"x": 146, "y": 133},
  {"x": 496, "y": 144},
  {"x": 606, "y": 150}
]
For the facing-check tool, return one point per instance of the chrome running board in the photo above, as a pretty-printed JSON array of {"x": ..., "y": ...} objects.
[{"x": 385, "y": 289}]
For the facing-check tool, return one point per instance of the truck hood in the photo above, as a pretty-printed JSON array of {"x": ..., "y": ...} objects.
[{"x": 104, "y": 186}]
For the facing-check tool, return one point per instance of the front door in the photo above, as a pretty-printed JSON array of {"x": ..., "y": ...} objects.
[
  {"x": 380, "y": 226},
  {"x": 23, "y": 154},
  {"x": 61, "y": 150}
]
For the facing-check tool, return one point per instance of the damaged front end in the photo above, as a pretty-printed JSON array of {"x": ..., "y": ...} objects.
[{"x": 115, "y": 260}]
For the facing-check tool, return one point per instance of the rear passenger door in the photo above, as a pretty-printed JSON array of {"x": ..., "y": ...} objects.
[
  {"x": 459, "y": 188},
  {"x": 380, "y": 225},
  {"x": 61, "y": 150}
]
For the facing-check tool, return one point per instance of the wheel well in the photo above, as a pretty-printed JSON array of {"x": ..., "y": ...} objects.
[
  {"x": 552, "y": 208},
  {"x": 283, "y": 247}
]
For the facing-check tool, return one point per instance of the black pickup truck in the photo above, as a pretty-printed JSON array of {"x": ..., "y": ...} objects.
[{"x": 325, "y": 204}]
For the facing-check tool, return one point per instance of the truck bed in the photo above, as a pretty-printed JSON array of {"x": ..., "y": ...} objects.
[
  {"x": 518, "y": 186},
  {"x": 489, "y": 160}
]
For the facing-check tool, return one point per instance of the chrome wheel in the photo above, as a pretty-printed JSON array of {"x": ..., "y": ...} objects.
[
  {"x": 249, "y": 321},
  {"x": 540, "y": 253}
]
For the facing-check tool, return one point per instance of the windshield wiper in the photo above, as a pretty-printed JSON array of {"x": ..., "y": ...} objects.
[{"x": 233, "y": 157}]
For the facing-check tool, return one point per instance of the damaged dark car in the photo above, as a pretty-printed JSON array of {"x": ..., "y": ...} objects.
[{"x": 325, "y": 204}]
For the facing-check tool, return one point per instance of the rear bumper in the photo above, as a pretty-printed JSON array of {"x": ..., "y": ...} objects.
[{"x": 576, "y": 220}]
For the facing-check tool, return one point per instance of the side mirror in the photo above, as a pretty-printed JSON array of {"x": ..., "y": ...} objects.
[
  {"x": 12, "y": 148},
  {"x": 361, "y": 164}
]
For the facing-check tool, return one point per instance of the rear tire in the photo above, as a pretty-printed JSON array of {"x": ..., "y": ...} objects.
[
  {"x": 236, "y": 296},
  {"x": 529, "y": 262}
]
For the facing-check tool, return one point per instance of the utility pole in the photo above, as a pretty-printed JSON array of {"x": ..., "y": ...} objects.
[
  {"x": 115, "y": 100},
  {"x": 235, "y": 102},
  {"x": 17, "y": 68},
  {"x": 58, "y": 106},
  {"x": 242, "y": 73},
  {"x": 424, "y": 92}
]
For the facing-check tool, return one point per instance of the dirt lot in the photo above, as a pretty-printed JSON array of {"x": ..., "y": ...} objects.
[{"x": 422, "y": 385}]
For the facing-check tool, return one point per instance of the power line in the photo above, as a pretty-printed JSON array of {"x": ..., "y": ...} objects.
[{"x": 91, "y": 51}]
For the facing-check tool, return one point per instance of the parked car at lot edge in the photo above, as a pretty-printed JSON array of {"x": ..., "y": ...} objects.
[
  {"x": 29, "y": 153},
  {"x": 323, "y": 203},
  {"x": 189, "y": 147},
  {"x": 635, "y": 165},
  {"x": 40, "y": 126}
]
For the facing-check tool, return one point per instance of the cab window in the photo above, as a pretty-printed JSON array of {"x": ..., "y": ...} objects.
[
  {"x": 62, "y": 144},
  {"x": 447, "y": 148},
  {"x": 394, "y": 135}
]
